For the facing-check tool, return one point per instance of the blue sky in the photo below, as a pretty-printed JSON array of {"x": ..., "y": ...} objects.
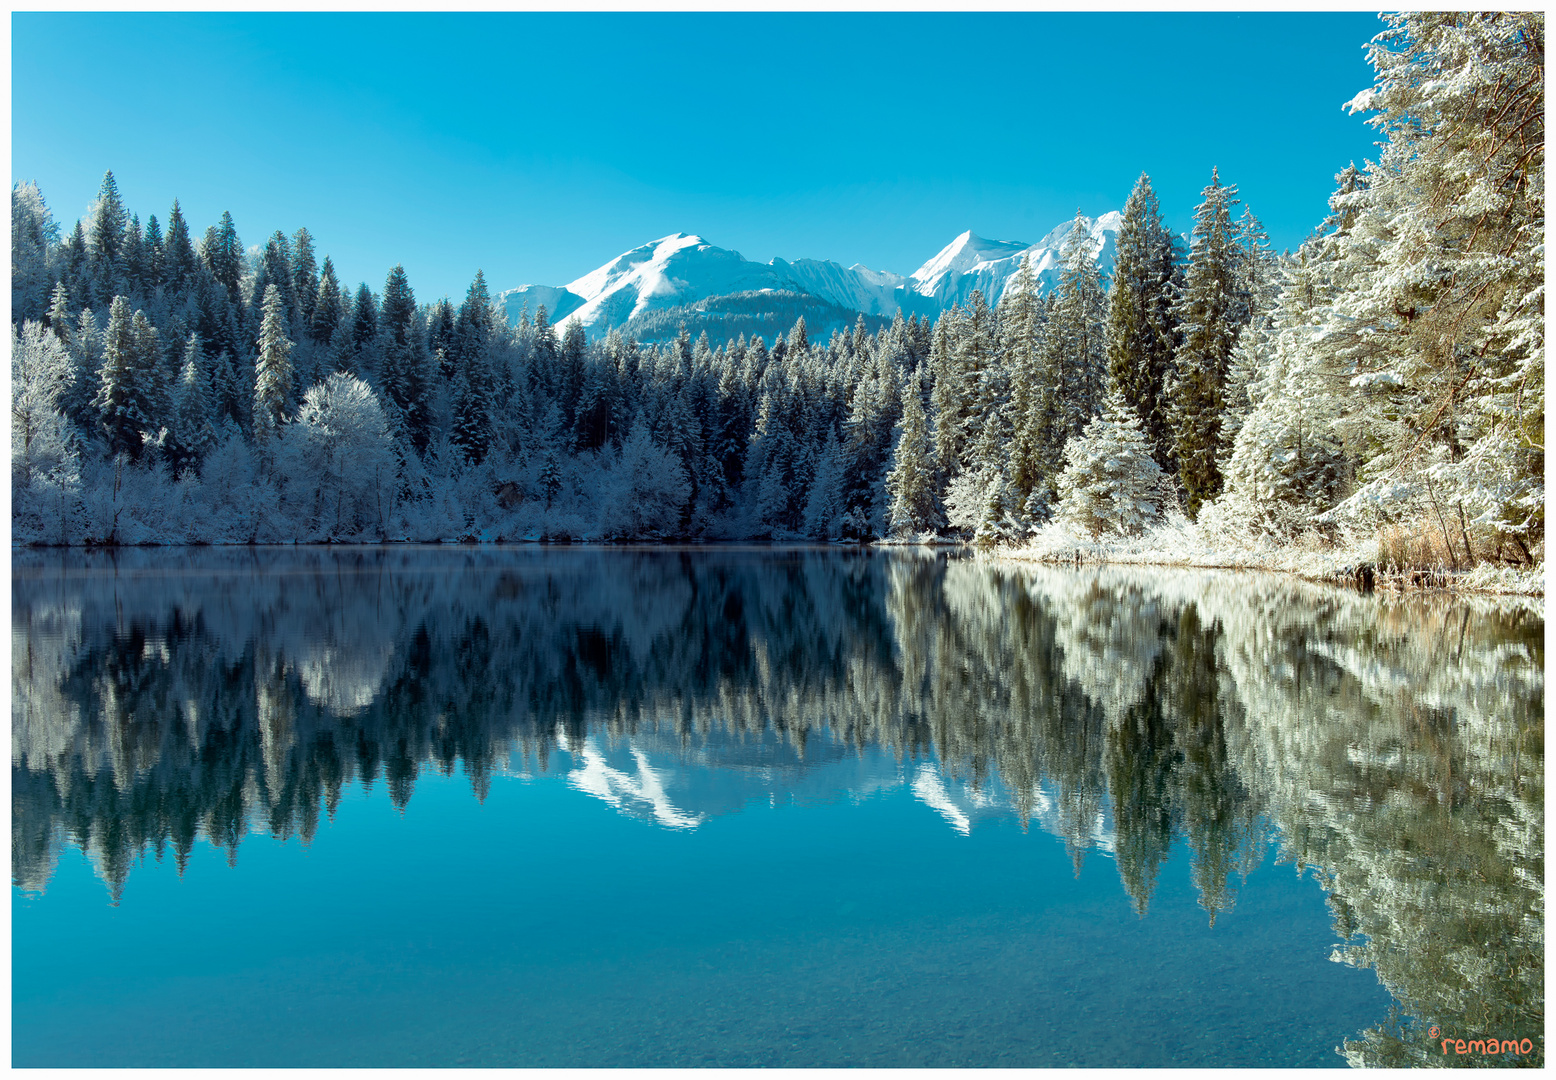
[{"x": 538, "y": 146}]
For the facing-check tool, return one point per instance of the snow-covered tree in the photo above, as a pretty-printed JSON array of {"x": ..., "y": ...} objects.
[
  {"x": 1442, "y": 332},
  {"x": 33, "y": 233},
  {"x": 40, "y": 435},
  {"x": 1211, "y": 314},
  {"x": 910, "y": 482},
  {"x": 643, "y": 491},
  {"x": 339, "y": 469},
  {"x": 1110, "y": 483},
  {"x": 272, "y": 369},
  {"x": 1142, "y": 332}
]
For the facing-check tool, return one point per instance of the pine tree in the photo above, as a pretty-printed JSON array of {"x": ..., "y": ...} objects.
[
  {"x": 405, "y": 366},
  {"x": 33, "y": 231},
  {"x": 1208, "y": 316},
  {"x": 1110, "y": 482},
  {"x": 194, "y": 437},
  {"x": 223, "y": 254},
  {"x": 122, "y": 401},
  {"x": 272, "y": 369},
  {"x": 179, "y": 262},
  {"x": 1141, "y": 336},
  {"x": 326, "y": 312},
  {"x": 910, "y": 482}
]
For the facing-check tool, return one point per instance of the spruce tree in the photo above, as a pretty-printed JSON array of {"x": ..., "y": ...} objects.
[
  {"x": 1208, "y": 314},
  {"x": 106, "y": 238},
  {"x": 305, "y": 280},
  {"x": 194, "y": 437},
  {"x": 326, "y": 313},
  {"x": 272, "y": 369},
  {"x": 223, "y": 254},
  {"x": 404, "y": 370},
  {"x": 122, "y": 402},
  {"x": 1141, "y": 335},
  {"x": 179, "y": 262},
  {"x": 910, "y": 482},
  {"x": 1110, "y": 482}
]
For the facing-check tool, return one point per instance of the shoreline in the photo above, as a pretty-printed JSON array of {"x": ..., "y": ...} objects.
[{"x": 1348, "y": 568}]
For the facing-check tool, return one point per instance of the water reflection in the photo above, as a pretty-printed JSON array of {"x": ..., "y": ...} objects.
[{"x": 1394, "y": 747}]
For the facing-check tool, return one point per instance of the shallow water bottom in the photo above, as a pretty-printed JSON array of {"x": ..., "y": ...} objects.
[{"x": 541, "y": 928}]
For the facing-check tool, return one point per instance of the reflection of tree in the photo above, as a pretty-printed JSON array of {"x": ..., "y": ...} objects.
[
  {"x": 1141, "y": 762},
  {"x": 1395, "y": 747}
]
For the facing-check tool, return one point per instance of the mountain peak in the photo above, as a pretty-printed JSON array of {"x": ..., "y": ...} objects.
[
  {"x": 682, "y": 269},
  {"x": 963, "y": 254}
]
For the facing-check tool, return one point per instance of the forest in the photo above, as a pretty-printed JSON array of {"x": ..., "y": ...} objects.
[{"x": 1385, "y": 379}]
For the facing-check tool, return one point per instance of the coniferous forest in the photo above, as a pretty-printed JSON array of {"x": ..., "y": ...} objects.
[{"x": 1385, "y": 379}]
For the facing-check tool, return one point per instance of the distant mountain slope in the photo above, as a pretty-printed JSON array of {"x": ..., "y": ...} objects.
[{"x": 653, "y": 289}]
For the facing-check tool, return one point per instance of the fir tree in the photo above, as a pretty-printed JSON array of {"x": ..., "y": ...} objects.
[
  {"x": 179, "y": 262},
  {"x": 223, "y": 254},
  {"x": 106, "y": 237},
  {"x": 910, "y": 483},
  {"x": 194, "y": 437},
  {"x": 272, "y": 369},
  {"x": 122, "y": 402},
  {"x": 326, "y": 313},
  {"x": 1141, "y": 334},
  {"x": 305, "y": 280},
  {"x": 1110, "y": 482},
  {"x": 1208, "y": 315}
]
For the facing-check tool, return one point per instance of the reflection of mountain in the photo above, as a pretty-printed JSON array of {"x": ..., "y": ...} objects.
[
  {"x": 1395, "y": 746},
  {"x": 665, "y": 778}
]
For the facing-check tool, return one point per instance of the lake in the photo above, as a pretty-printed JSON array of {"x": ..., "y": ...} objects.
[{"x": 759, "y": 806}]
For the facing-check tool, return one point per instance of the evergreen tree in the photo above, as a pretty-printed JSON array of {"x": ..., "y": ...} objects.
[
  {"x": 122, "y": 402},
  {"x": 404, "y": 371},
  {"x": 33, "y": 231},
  {"x": 193, "y": 435},
  {"x": 106, "y": 237},
  {"x": 1110, "y": 482},
  {"x": 1021, "y": 346},
  {"x": 910, "y": 483},
  {"x": 179, "y": 262},
  {"x": 1208, "y": 316},
  {"x": 326, "y": 313},
  {"x": 155, "y": 254},
  {"x": 1440, "y": 330},
  {"x": 272, "y": 369},
  {"x": 223, "y": 255},
  {"x": 1141, "y": 335},
  {"x": 305, "y": 280}
]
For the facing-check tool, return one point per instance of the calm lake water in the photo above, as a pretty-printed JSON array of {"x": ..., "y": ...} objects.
[{"x": 763, "y": 806}]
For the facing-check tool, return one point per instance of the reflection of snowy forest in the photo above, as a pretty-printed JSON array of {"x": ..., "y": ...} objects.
[
  {"x": 1386, "y": 376},
  {"x": 1395, "y": 747}
]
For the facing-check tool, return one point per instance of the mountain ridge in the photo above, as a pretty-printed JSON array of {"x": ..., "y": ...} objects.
[{"x": 683, "y": 272}]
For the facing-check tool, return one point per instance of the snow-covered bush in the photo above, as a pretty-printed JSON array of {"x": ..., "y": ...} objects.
[{"x": 1110, "y": 483}]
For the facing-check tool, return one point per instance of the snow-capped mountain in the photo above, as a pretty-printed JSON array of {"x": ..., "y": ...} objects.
[{"x": 683, "y": 271}]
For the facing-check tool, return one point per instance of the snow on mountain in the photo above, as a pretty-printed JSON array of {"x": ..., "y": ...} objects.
[
  {"x": 682, "y": 269},
  {"x": 970, "y": 262}
]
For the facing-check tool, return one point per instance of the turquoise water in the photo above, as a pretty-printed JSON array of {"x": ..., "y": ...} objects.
[{"x": 756, "y": 807}]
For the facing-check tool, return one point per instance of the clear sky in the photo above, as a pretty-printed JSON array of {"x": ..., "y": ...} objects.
[{"x": 538, "y": 146}]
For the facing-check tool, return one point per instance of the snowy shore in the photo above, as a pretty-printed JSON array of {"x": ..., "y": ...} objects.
[{"x": 1178, "y": 542}]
